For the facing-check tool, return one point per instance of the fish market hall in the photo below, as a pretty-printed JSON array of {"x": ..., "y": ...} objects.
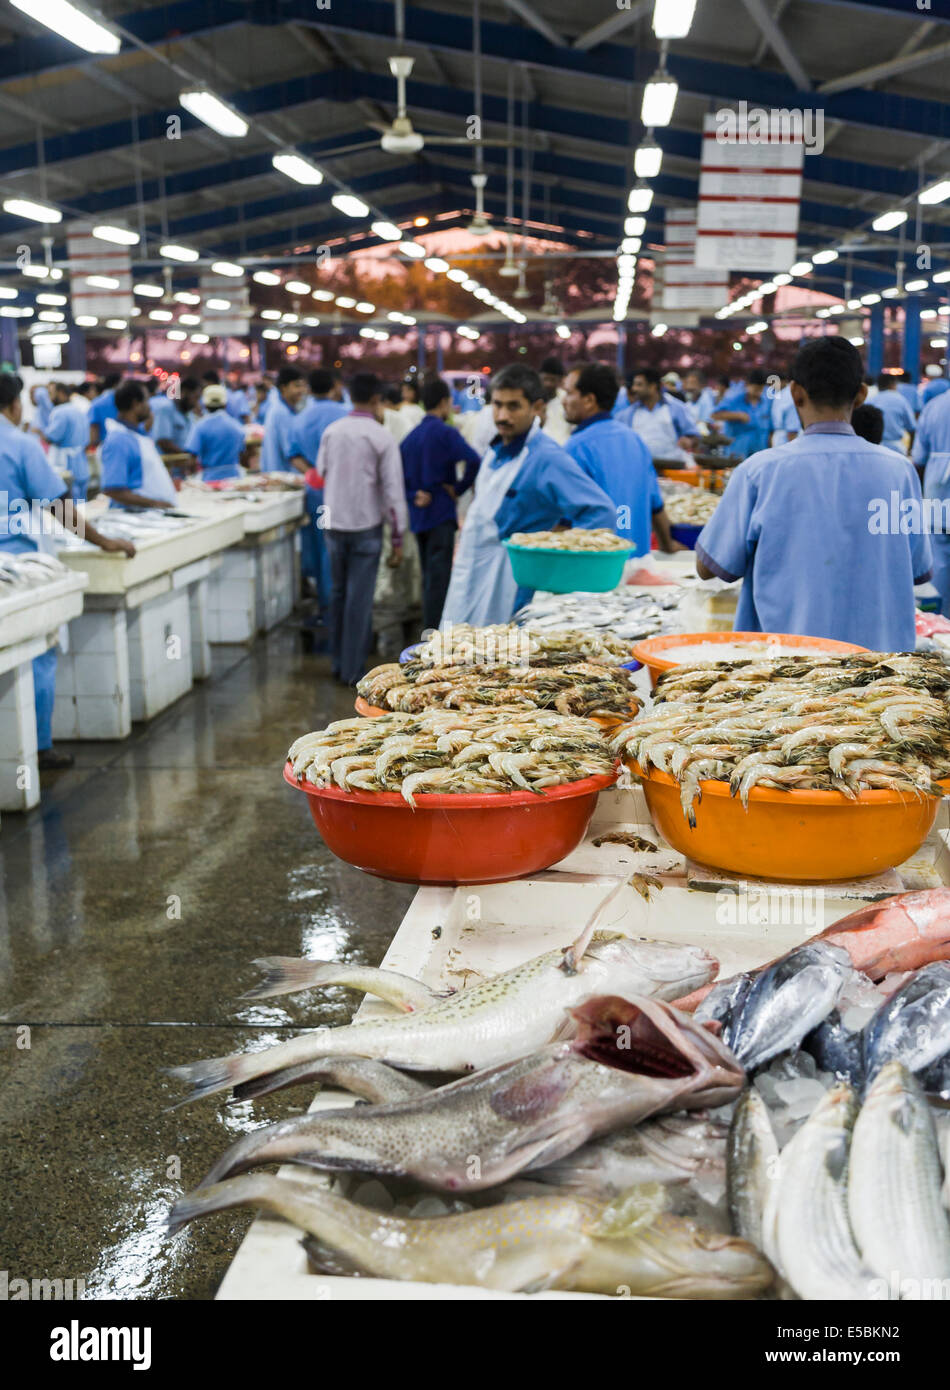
[{"x": 475, "y": 651}]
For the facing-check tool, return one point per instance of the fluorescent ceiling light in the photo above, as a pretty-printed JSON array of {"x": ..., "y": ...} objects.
[
  {"x": 634, "y": 226},
  {"x": 640, "y": 199},
  {"x": 801, "y": 268},
  {"x": 936, "y": 193},
  {"x": 458, "y": 276},
  {"x": 325, "y": 296},
  {"x": 270, "y": 313},
  {"x": 192, "y": 320},
  {"x": 51, "y": 316},
  {"x": 227, "y": 268},
  {"x": 186, "y": 297},
  {"x": 659, "y": 99},
  {"x": 200, "y": 338},
  {"x": 48, "y": 339},
  {"x": 34, "y": 212},
  {"x": 161, "y": 315},
  {"x": 119, "y": 236},
  {"x": 856, "y": 342},
  {"x": 173, "y": 252},
  {"x": 55, "y": 300},
  {"x": 367, "y": 332},
  {"x": 928, "y": 313},
  {"x": 757, "y": 327},
  {"x": 350, "y": 205},
  {"x": 563, "y": 331},
  {"x": 387, "y": 231},
  {"x": 648, "y": 160},
  {"x": 660, "y": 329},
  {"x": 942, "y": 277},
  {"x": 854, "y": 303},
  {"x": 297, "y": 168},
  {"x": 412, "y": 249},
  {"x": 290, "y": 318},
  {"x": 36, "y": 272},
  {"x": 85, "y": 321},
  {"x": 214, "y": 113},
  {"x": 836, "y": 309},
  {"x": 914, "y": 285},
  {"x": 297, "y": 287},
  {"x": 630, "y": 245},
  {"x": 470, "y": 285},
  {"x": 345, "y": 302},
  {"x": 672, "y": 18},
  {"x": 8, "y": 311},
  {"x": 116, "y": 323},
  {"x": 148, "y": 291},
  {"x": 889, "y": 220},
  {"x": 290, "y": 337},
  {"x": 364, "y": 307},
  {"x": 266, "y": 277},
  {"x": 892, "y": 293},
  {"x": 769, "y": 287},
  {"x": 217, "y": 304},
  {"x": 270, "y": 333},
  {"x": 824, "y": 257},
  {"x": 782, "y": 279},
  {"x": 176, "y": 335},
  {"x": 311, "y": 323},
  {"x": 101, "y": 282},
  {"x": 870, "y": 299},
  {"x": 437, "y": 264},
  {"x": 71, "y": 23},
  {"x": 7, "y": 293}
]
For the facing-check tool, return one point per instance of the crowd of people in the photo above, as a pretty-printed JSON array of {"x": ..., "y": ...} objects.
[{"x": 412, "y": 488}]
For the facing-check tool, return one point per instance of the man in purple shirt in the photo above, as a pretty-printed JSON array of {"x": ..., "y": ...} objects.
[
  {"x": 430, "y": 453},
  {"x": 362, "y": 488}
]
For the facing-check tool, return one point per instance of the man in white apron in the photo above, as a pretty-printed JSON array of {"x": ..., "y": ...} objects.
[
  {"x": 526, "y": 483},
  {"x": 661, "y": 421},
  {"x": 133, "y": 474},
  {"x": 67, "y": 434}
]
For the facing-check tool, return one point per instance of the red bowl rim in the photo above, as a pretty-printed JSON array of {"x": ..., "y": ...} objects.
[
  {"x": 796, "y": 797},
  {"x": 369, "y": 711},
  {"x": 651, "y": 649},
  {"x": 457, "y": 801}
]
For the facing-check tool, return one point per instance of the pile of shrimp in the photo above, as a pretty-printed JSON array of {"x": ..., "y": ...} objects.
[
  {"x": 505, "y": 644},
  {"x": 501, "y": 750},
  {"x": 578, "y": 688},
  {"x": 846, "y": 724}
]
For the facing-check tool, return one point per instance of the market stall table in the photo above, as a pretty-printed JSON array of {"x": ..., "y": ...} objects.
[
  {"x": 143, "y": 637},
  {"x": 257, "y": 583},
  {"x": 29, "y": 620}
]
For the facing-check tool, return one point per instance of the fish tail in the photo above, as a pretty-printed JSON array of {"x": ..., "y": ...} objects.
[
  {"x": 256, "y": 1189},
  {"x": 291, "y": 974},
  {"x": 268, "y": 1144},
  {"x": 215, "y": 1074}
]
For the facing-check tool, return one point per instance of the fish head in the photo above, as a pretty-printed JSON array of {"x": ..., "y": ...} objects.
[
  {"x": 664, "y": 968},
  {"x": 647, "y": 1037}
]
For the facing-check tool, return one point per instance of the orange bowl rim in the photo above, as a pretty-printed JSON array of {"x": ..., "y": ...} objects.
[
  {"x": 647, "y": 651},
  {"x": 458, "y": 801},
  {"x": 796, "y": 797}
]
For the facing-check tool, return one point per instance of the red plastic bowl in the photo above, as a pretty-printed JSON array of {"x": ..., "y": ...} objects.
[{"x": 453, "y": 838}]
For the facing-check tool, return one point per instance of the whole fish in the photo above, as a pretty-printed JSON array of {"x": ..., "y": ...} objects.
[
  {"x": 361, "y": 1076},
  {"x": 786, "y": 1001},
  {"x": 505, "y": 1017},
  {"x": 894, "y": 1182},
  {"x": 670, "y": 1150},
  {"x": 913, "y": 1026},
  {"x": 629, "y": 1060},
  {"x": 752, "y": 1170},
  {"x": 837, "y": 1049},
  {"x": 816, "y": 1249},
  {"x": 896, "y": 934},
  {"x": 558, "y": 1241},
  {"x": 291, "y": 975}
]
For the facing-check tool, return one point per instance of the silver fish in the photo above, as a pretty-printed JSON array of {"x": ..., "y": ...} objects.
[
  {"x": 894, "y": 1182},
  {"x": 786, "y": 1001},
  {"x": 670, "y": 1150},
  {"x": 630, "y": 1059},
  {"x": 505, "y": 1017},
  {"x": 292, "y": 975},
  {"x": 817, "y": 1252},
  {"x": 361, "y": 1076},
  {"x": 752, "y": 1170},
  {"x": 913, "y": 1026}
]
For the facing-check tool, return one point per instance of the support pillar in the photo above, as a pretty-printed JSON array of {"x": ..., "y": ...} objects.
[
  {"x": 438, "y": 351},
  {"x": 875, "y": 354},
  {"x": 76, "y": 350},
  {"x": 9, "y": 345},
  {"x": 910, "y": 348}
]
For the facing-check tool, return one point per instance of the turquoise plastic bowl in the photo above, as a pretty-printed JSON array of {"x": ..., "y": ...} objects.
[{"x": 566, "y": 571}]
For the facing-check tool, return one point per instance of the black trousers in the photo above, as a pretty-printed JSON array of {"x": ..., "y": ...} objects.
[
  {"x": 435, "y": 552},
  {"x": 354, "y": 561}
]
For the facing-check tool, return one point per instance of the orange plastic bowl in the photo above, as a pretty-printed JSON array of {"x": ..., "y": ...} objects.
[
  {"x": 610, "y": 723},
  {"x": 652, "y": 651},
  {"x": 797, "y": 836},
  {"x": 451, "y": 839}
]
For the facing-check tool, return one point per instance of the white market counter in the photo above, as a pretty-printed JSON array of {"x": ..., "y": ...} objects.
[
  {"x": 29, "y": 620},
  {"x": 458, "y": 937},
  {"x": 143, "y": 637},
  {"x": 257, "y": 583}
]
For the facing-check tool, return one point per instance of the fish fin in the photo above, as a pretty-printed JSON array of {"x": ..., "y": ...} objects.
[
  {"x": 530, "y": 1097},
  {"x": 326, "y": 1259},
  {"x": 553, "y": 1147}
]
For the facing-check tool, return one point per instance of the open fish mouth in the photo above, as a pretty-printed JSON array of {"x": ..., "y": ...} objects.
[{"x": 619, "y": 1034}]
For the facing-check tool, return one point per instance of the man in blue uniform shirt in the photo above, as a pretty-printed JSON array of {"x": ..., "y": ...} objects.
[
  {"x": 216, "y": 440},
  {"x": 932, "y": 450},
  {"x": 306, "y": 431},
  {"x": 281, "y": 413},
  {"x": 28, "y": 485},
  {"x": 899, "y": 419},
  {"x": 661, "y": 421},
  {"x": 103, "y": 409},
  {"x": 67, "y": 433},
  {"x": 744, "y": 415},
  {"x": 615, "y": 457},
  {"x": 801, "y": 524},
  {"x": 526, "y": 482},
  {"x": 133, "y": 473},
  {"x": 172, "y": 418},
  {"x": 430, "y": 453}
]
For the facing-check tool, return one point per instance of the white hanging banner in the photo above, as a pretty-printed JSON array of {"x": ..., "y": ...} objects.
[
  {"x": 90, "y": 256},
  {"x": 687, "y": 286},
  {"x": 750, "y": 190}
]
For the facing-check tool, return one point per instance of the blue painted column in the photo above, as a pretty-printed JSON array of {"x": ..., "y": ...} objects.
[
  {"x": 9, "y": 346},
  {"x": 876, "y": 341},
  {"x": 421, "y": 349},
  {"x": 910, "y": 355},
  {"x": 621, "y": 350},
  {"x": 76, "y": 350}
]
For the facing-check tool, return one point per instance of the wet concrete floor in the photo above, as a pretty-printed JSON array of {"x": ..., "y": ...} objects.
[{"x": 132, "y": 902}]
